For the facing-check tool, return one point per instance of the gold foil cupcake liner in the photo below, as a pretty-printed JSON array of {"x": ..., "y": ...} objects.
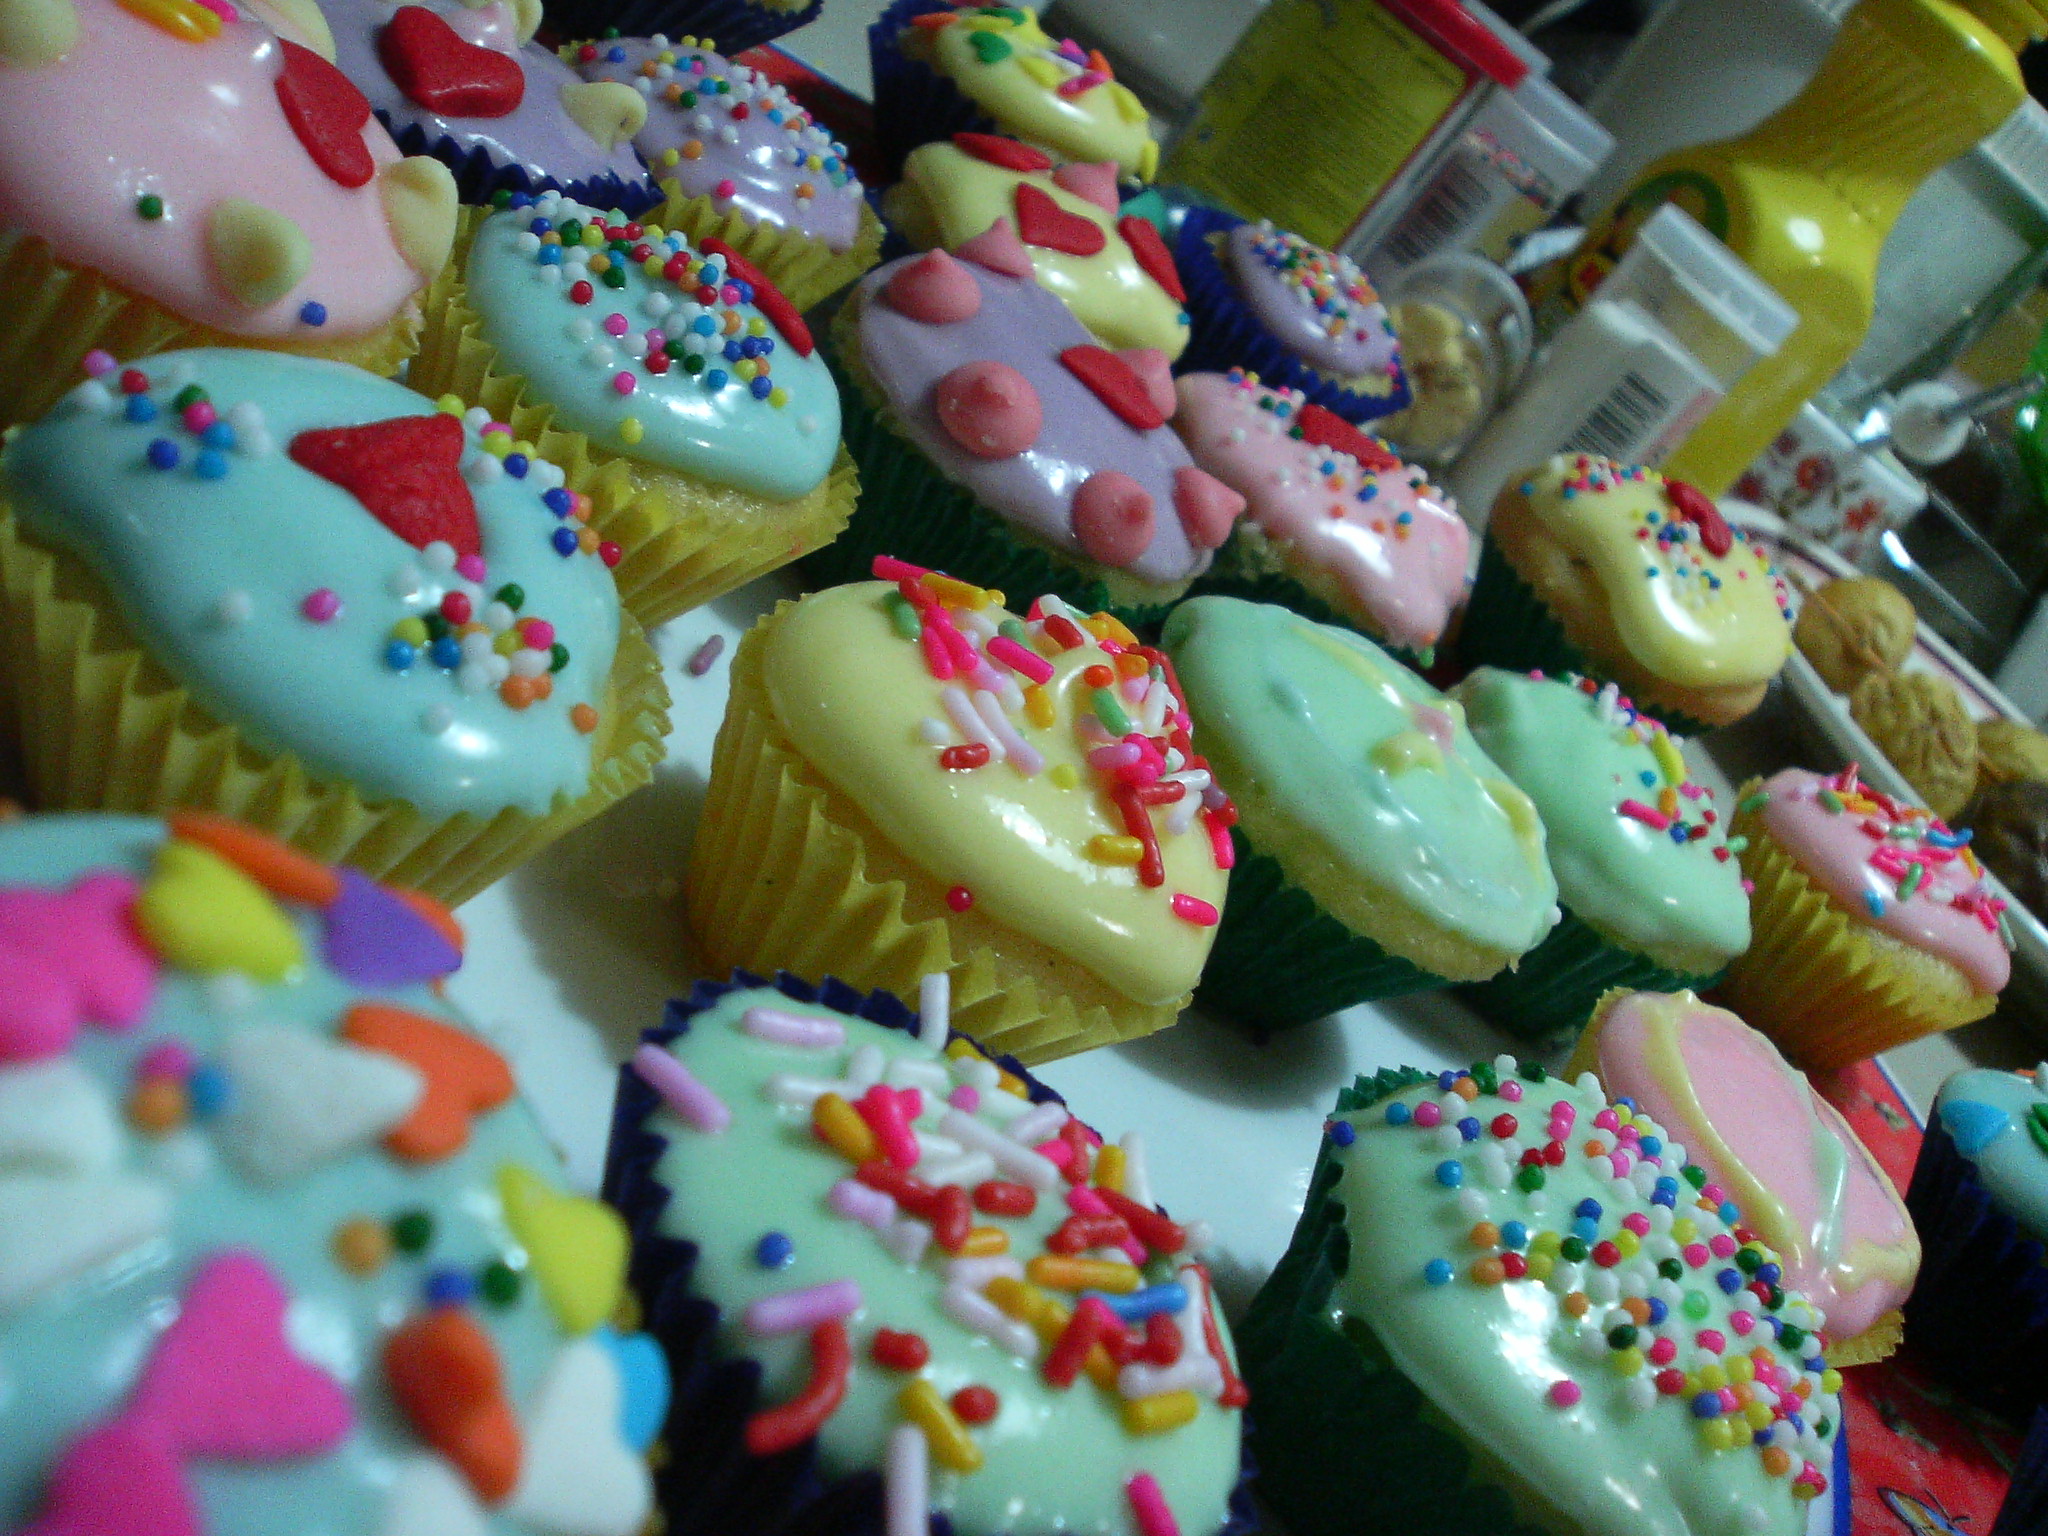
[
  {"x": 807, "y": 270},
  {"x": 683, "y": 540},
  {"x": 102, "y": 726},
  {"x": 786, "y": 873},
  {"x": 53, "y": 313}
]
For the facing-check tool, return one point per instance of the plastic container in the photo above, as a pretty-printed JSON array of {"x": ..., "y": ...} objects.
[
  {"x": 1466, "y": 336},
  {"x": 1672, "y": 328}
]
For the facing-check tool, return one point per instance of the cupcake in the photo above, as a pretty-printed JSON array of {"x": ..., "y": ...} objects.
[
  {"x": 422, "y": 669},
  {"x": 740, "y": 159},
  {"x": 1299, "y": 316},
  {"x": 904, "y": 1289},
  {"x": 1872, "y": 922},
  {"x": 1591, "y": 566},
  {"x": 911, "y": 779},
  {"x": 1338, "y": 528},
  {"x": 276, "y": 214},
  {"x": 1979, "y": 1316},
  {"x": 997, "y": 439},
  {"x": 1008, "y": 203},
  {"x": 992, "y": 69},
  {"x": 1651, "y": 893},
  {"x": 675, "y": 383},
  {"x": 282, "y": 1246},
  {"x": 1379, "y": 849},
  {"x": 1925, "y": 730},
  {"x": 465, "y": 83},
  {"x": 1750, "y": 1119},
  {"x": 1853, "y": 626},
  {"x": 1497, "y": 1328}
]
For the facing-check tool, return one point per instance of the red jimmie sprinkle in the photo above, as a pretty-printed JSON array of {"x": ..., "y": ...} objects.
[
  {"x": 976, "y": 1404},
  {"x": 897, "y": 1351},
  {"x": 972, "y": 754},
  {"x": 999, "y": 1197}
]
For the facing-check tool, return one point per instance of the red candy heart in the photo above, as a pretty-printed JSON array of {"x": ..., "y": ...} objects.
[
  {"x": 327, "y": 112},
  {"x": 1697, "y": 508},
  {"x": 440, "y": 70},
  {"x": 1007, "y": 153},
  {"x": 1116, "y": 384},
  {"x": 767, "y": 297},
  {"x": 406, "y": 472},
  {"x": 1041, "y": 221},
  {"x": 1326, "y": 429},
  {"x": 1154, "y": 258}
]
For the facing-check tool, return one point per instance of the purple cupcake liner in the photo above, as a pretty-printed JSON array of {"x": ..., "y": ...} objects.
[
  {"x": 1224, "y": 332},
  {"x": 709, "y": 1485},
  {"x": 1978, "y": 1314},
  {"x": 732, "y": 24},
  {"x": 478, "y": 178},
  {"x": 914, "y": 103}
]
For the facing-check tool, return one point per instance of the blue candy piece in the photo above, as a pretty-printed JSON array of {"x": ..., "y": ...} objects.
[
  {"x": 644, "y": 1385},
  {"x": 1973, "y": 1125}
]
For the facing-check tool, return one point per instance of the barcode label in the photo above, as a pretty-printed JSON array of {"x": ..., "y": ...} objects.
[
  {"x": 1624, "y": 424},
  {"x": 1457, "y": 200}
]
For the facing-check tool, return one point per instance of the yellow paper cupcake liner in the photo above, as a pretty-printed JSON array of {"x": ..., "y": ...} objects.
[
  {"x": 807, "y": 270},
  {"x": 1828, "y": 988},
  {"x": 683, "y": 540},
  {"x": 102, "y": 726},
  {"x": 787, "y": 873},
  {"x": 53, "y": 313}
]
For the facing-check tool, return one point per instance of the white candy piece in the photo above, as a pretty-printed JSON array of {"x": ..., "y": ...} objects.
[
  {"x": 578, "y": 1477},
  {"x": 56, "y": 1118},
  {"x": 429, "y": 1498},
  {"x": 298, "y": 1100},
  {"x": 56, "y": 1229}
]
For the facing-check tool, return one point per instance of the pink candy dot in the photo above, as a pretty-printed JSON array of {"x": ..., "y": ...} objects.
[
  {"x": 615, "y": 325},
  {"x": 200, "y": 415},
  {"x": 730, "y": 293},
  {"x": 1427, "y": 1115},
  {"x": 539, "y": 633},
  {"x": 725, "y": 188},
  {"x": 1663, "y": 1351},
  {"x": 966, "y": 1098},
  {"x": 657, "y": 339},
  {"x": 623, "y": 383},
  {"x": 1511, "y": 1091},
  {"x": 167, "y": 1058},
  {"x": 1564, "y": 1394},
  {"x": 1696, "y": 1255},
  {"x": 1637, "y": 1223},
  {"x": 1712, "y": 1340},
  {"x": 321, "y": 605},
  {"x": 1741, "y": 1322},
  {"x": 1723, "y": 1245},
  {"x": 1730, "y": 1403},
  {"x": 470, "y": 567},
  {"x": 98, "y": 362},
  {"x": 1620, "y": 1163},
  {"x": 1606, "y": 1120},
  {"x": 1714, "y": 1193},
  {"x": 1628, "y": 1136}
]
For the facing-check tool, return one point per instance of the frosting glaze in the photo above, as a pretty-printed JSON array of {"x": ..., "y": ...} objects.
[
  {"x": 949, "y": 197},
  {"x": 1692, "y": 600},
  {"x": 1349, "y": 520},
  {"x": 1318, "y": 304},
  {"x": 1335, "y": 745},
  {"x": 683, "y": 371},
  {"x": 1896, "y": 867},
  {"x": 1806, "y": 1184},
  {"x": 1038, "y": 487},
  {"x": 556, "y": 135},
  {"x": 1595, "y": 1403},
  {"x": 1049, "y": 842},
  {"x": 1639, "y": 848},
  {"x": 1052, "y": 1458},
  {"x": 728, "y": 132},
  {"x": 1053, "y": 94},
  {"x": 1999, "y": 1121},
  {"x": 169, "y": 214},
  {"x": 284, "y": 1140},
  {"x": 333, "y": 635}
]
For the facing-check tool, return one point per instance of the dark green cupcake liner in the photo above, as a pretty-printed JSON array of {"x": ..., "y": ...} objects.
[
  {"x": 1232, "y": 576},
  {"x": 1554, "y": 987},
  {"x": 909, "y": 510},
  {"x": 1281, "y": 960},
  {"x": 1342, "y": 1441}
]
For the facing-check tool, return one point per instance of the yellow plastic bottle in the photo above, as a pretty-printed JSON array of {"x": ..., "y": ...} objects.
[{"x": 1808, "y": 197}]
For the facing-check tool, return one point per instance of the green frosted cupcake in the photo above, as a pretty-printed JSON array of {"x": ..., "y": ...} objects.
[
  {"x": 1380, "y": 850},
  {"x": 1582, "y": 1347},
  {"x": 1652, "y": 897}
]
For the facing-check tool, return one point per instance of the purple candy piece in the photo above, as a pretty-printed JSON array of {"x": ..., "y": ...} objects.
[{"x": 374, "y": 939}]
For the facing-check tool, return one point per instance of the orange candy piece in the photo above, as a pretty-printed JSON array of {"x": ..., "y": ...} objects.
[
  {"x": 464, "y": 1077},
  {"x": 443, "y": 1371},
  {"x": 280, "y": 869}
]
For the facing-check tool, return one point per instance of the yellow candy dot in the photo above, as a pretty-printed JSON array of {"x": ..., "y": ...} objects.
[
  {"x": 507, "y": 643},
  {"x": 1625, "y": 1362},
  {"x": 757, "y": 326},
  {"x": 1712, "y": 1378},
  {"x": 1546, "y": 1242},
  {"x": 651, "y": 266},
  {"x": 1741, "y": 1370},
  {"x": 1718, "y": 1434},
  {"x": 1540, "y": 1267},
  {"x": 411, "y": 631},
  {"x": 362, "y": 1246},
  {"x": 1628, "y": 1243},
  {"x": 496, "y": 444},
  {"x": 1757, "y": 1416},
  {"x": 631, "y": 430},
  {"x": 1064, "y": 775},
  {"x": 599, "y": 263},
  {"x": 653, "y": 232},
  {"x": 1684, "y": 1230},
  {"x": 1831, "y": 1380},
  {"x": 744, "y": 369},
  {"x": 778, "y": 397},
  {"x": 592, "y": 236}
]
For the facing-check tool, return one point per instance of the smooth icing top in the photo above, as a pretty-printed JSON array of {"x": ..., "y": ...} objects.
[
  {"x": 1043, "y": 765},
  {"x": 1048, "y": 1448},
  {"x": 957, "y": 376},
  {"x": 1348, "y": 751},
  {"x": 1999, "y": 1121},
  {"x": 429, "y": 623},
  {"x": 1805, "y": 1182},
  {"x": 1056, "y": 95},
  {"x": 238, "y": 180},
  {"x": 1639, "y": 848},
  {"x": 1693, "y": 600},
  {"x": 1364, "y": 531},
  {"x": 653, "y": 349},
  {"x": 1078, "y": 246},
  {"x": 1897, "y": 867},
  {"x": 1317, "y": 304},
  {"x": 283, "y": 1250},
  {"x": 467, "y": 73},
  {"x": 725, "y": 131},
  {"x": 1594, "y": 1321}
]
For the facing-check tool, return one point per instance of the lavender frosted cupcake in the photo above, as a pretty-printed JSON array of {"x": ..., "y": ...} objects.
[
  {"x": 465, "y": 83},
  {"x": 737, "y": 158},
  {"x": 1299, "y": 316}
]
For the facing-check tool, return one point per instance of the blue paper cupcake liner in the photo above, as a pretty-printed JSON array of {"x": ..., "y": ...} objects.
[
  {"x": 732, "y": 24},
  {"x": 707, "y": 1483},
  {"x": 914, "y": 103},
  {"x": 2025, "y": 1510},
  {"x": 1978, "y": 1315},
  {"x": 478, "y": 177},
  {"x": 1226, "y": 334}
]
